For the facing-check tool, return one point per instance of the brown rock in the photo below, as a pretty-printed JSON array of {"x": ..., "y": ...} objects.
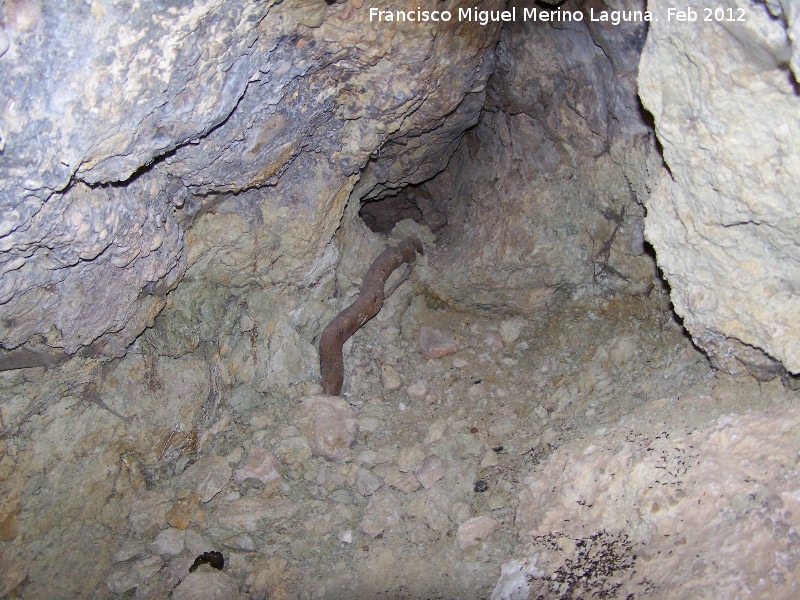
[{"x": 181, "y": 514}]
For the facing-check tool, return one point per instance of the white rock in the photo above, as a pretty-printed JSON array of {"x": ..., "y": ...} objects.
[
  {"x": 430, "y": 471},
  {"x": 493, "y": 341},
  {"x": 390, "y": 379},
  {"x": 241, "y": 542},
  {"x": 417, "y": 390},
  {"x": 207, "y": 476},
  {"x": 367, "y": 482},
  {"x": 169, "y": 542},
  {"x": 261, "y": 464},
  {"x": 409, "y": 458},
  {"x": 511, "y": 329},
  {"x": 472, "y": 532},
  {"x": 329, "y": 425}
]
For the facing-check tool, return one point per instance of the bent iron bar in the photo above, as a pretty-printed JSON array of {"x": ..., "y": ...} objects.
[{"x": 366, "y": 306}]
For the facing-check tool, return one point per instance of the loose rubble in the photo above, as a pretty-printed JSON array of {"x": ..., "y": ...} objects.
[{"x": 539, "y": 448}]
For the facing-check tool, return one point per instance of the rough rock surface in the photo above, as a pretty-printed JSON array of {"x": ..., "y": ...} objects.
[
  {"x": 553, "y": 213},
  {"x": 329, "y": 425},
  {"x": 145, "y": 120},
  {"x": 679, "y": 510},
  {"x": 725, "y": 219}
]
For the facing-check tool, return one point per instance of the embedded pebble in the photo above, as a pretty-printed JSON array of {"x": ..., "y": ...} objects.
[
  {"x": 367, "y": 482},
  {"x": 473, "y": 531},
  {"x": 408, "y": 459},
  {"x": 207, "y": 583},
  {"x": 390, "y": 379},
  {"x": 417, "y": 390},
  {"x": 346, "y": 537},
  {"x": 430, "y": 471},
  {"x": 493, "y": 341},
  {"x": 128, "y": 577},
  {"x": 129, "y": 549},
  {"x": 207, "y": 476},
  {"x": 169, "y": 542},
  {"x": 432, "y": 343},
  {"x": 241, "y": 542},
  {"x": 368, "y": 424},
  {"x": 511, "y": 329},
  {"x": 460, "y": 363},
  {"x": 329, "y": 425},
  {"x": 261, "y": 464},
  {"x": 182, "y": 512},
  {"x": 404, "y": 482}
]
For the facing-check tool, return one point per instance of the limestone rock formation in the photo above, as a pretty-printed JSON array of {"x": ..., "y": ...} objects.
[
  {"x": 542, "y": 196},
  {"x": 138, "y": 122},
  {"x": 725, "y": 219}
]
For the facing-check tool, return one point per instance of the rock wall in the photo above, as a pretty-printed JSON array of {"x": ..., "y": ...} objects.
[
  {"x": 542, "y": 197},
  {"x": 724, "y": 218},
  {"x": 122, "y": 127}
]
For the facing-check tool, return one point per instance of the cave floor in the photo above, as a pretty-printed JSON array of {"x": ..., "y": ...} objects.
[{"x": 492, "y": 412}]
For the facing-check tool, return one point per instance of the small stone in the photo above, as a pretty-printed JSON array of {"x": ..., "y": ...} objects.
[
  {"x": 404, "y": 482},
  {"x": 472, "y": 532},
  {"x": 182, "y": 512},
  {"x": 417, "y": 390},
  {"x": 329, "y": 425},
  {"x": 346, "y": 537},
  {"x": 511, "y": 329},
  {"x": 207, "y": 583},
  {"x": 430, "y": 471},
  {"x": 460, "y": 363},
  {"x": 127, "y": 578},
  {"x": 367, "y": 482},
  {"x": 369, "y": 424},
  {"x": 432, "y": 343},
  {"x": 390, "y": 379},
  {"x": 207, "y": 476},
  {"x": 261, "y": 465},
  {"x": 435, "y": 431},
  {"x": 169, "y": 542},
  {"x": 409, "y": 458},
  {"x": 241, "y": 542},
  {"x": 493, "y": 341}
]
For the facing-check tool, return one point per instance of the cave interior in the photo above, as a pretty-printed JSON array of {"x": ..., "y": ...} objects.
[{"x": 585, "y": 384}]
